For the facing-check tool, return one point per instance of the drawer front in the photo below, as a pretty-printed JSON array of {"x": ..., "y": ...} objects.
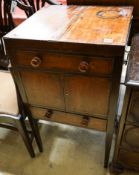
[
  {"x": 131, "y": 138},
  {"x": 133, "y": 112},
  {"x": 66, "y": 63},
  {"x": 129, "y": 159},
  {"x": 66, "y": 118}
]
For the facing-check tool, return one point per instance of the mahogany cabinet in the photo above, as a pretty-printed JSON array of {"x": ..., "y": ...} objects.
[
  {"x": 67, "y": 60},
  {"x": 127, "y": 143}
]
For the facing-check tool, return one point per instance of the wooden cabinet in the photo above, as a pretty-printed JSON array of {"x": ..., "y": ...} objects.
[
  {"x": 126, "y": 153},
  {"x": 127, "y": 144},
  {"x": 68, "y": 92},
  {"x": 67, "y": 63},
  {"x": 66, "y": 81}
]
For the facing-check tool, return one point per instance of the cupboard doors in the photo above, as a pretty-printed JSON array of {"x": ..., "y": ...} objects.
[
  {"x": 80, "y": 94},
  {"x": 87, "y": 95},
  {"x": 43, "y": 89}
]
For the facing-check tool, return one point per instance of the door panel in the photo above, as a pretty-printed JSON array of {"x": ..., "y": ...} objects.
[
  {"x": 131, "y": 137},
  {"x": 133, "y": 113},
  {"x": 87, "y": 95},
  {"x": 43, "y": 89}
]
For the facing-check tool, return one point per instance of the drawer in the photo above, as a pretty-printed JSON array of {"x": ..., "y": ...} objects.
[
  {"x": 67, "y": 118},
  {"x": 68, "y": 63},
  {"x": 133, "y": 112},
  {"x": 129, "y": 159},
  {"x": 131, "y": 138}
]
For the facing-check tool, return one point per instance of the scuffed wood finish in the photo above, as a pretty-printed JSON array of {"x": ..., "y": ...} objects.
[
  {"x": 132, "y": 77},
  {"x": 105, "y": 32},
  {"x": 134, "y": 3},
  {"x": 76, "y": 24},
  {"x": 67, "y": 62}
]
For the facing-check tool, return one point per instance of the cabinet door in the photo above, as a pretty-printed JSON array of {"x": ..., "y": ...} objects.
[
  {"x": 133, "y": 112},
  {"x": 131, "y": 137},
  {"x": 43, "y": 89},
  {"x": 87, "y": 95}
]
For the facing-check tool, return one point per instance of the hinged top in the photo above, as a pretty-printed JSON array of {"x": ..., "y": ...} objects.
[{"x": 77, "y": 24}]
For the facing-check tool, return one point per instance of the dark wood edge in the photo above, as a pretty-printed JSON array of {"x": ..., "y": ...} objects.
[
  {"x": 65, "y": 47},
  {"x": 128, "y": 80}
]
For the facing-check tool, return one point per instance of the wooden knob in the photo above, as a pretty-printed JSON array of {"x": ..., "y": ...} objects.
[
  {"x": 35, "y": 62},
  {"x": 48, "y": 113},
  {"x": 85, "y": 121},
  {"x": 83, "y": 67}
]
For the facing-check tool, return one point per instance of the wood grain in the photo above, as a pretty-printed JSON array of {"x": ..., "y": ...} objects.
[
  {"x": 70, "y": 63},
  {"x": 43, "y": 89},
  {"x": 78, "y": 24},
  {"x": 87, "y": 95},
  {"x": 70, "y": 119},
  {"x": 134, "y": 3}
]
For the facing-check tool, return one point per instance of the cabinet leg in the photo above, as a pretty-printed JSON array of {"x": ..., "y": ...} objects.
[
  {"x": 108, "y": 142},
  {"x": 25, "y": 136},
  {"x": 36, "y": 132},
  {"x": 107, "y": 149}
]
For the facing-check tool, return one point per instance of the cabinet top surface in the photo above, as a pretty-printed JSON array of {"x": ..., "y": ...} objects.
[{"x": 77, "y": 24}]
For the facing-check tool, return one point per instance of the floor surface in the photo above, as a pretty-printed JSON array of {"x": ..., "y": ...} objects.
[{"x": 68, "y": 150}]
